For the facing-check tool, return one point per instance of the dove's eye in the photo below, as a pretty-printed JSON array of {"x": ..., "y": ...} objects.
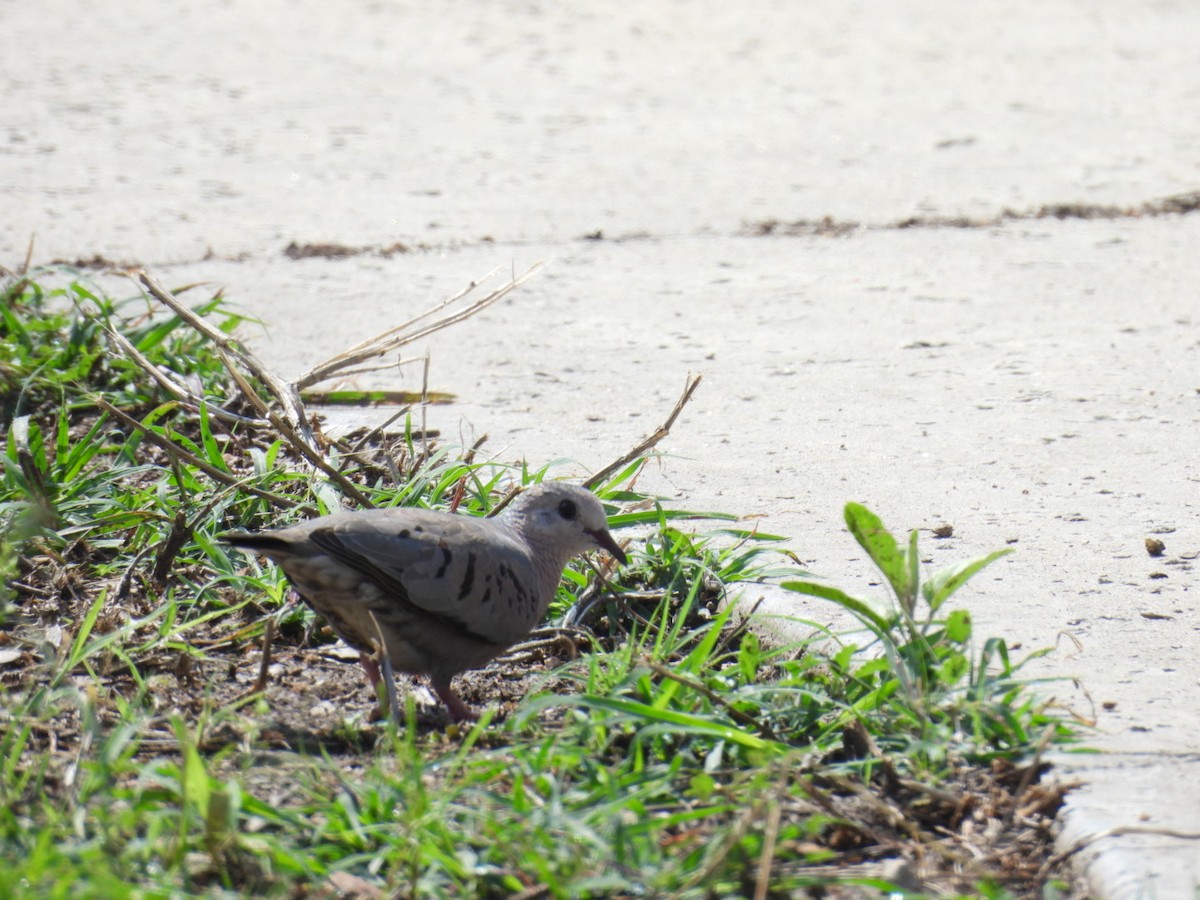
[{"x": 567, "y": 509}]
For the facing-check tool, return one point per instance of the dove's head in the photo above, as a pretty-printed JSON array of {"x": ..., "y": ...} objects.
[{"x": 565, "y": 516}]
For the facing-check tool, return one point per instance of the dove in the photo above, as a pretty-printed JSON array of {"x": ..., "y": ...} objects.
[{"x": 434, "y": 593}]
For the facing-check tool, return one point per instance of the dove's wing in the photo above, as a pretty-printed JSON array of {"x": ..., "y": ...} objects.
[{"x": 470, "y": 575}]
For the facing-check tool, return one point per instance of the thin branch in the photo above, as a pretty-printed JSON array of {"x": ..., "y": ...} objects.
[
  {"x": 191, "y": 459},
  {"x": 251, "y": 395},
  {"x": 649, "y": 443},
  {"x": 770, "y": 836},
  {"x": 399, "y": 336},
  {"x": 177, "y": 389},
  {"x": 287, "y": 395},
  {"x": 403, "y": 326},
  {"x": 378, "y": 430},
  {"x": 28, "y": 254},
  {"x": 713, "y": 697},
  {"x": 313, "y": 456}
]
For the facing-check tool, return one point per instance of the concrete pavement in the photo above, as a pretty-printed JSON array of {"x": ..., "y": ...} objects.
[{"x": 1035, "y": 381}]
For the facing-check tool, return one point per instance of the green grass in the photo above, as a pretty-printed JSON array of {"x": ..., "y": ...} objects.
[{"x": 683, "y": 756}]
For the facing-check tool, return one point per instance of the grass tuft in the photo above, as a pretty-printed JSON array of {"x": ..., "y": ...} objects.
[{"x": 648, "y": 742}]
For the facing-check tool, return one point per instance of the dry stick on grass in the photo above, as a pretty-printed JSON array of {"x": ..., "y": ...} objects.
[
  {"x": 650, "y": 442},
  {"x": 287, "y": 395},
  {"x": 191, "y": 459},
  {"x": 736, "y": 714},
  {"x": 243, "y": 385},
  {"x": 771, "y": 835},
  {"x": 299, "y": 445},
  {"x": 173, "y": 387},
  {"x": 397, "y": 337},
  {"x": 294, "y": 425},
  {"x": 308, "y": 452},
  {"x": 264, "y": 662},
  {"x": 368, "y": 370}
]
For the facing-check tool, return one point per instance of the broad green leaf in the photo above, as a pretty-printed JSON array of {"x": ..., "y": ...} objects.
[
  {"x": 749, "y": 657},
  {"x": 951, "y": 669},
  {"x": 678, "y": 721},
  {"x": 944, "y": 582},
  {"x": 880, "y": 545},
  {"x": 702, "y": 785},
  {"x": 220, "y": 817},
  {"x": 913, "y": 557},
  {"x": 193, "y": 777},
  {"x": 958, "y": 626},
  {"x": 212, "y": 452},
  {"x": 853, "y": 605}
]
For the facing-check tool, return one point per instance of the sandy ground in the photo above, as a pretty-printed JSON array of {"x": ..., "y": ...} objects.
[{"x": 1034, "y": 382}]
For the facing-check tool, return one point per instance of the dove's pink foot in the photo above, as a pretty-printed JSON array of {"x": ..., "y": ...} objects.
[
  {"x": 459, "y": 711},
  {"x": 371, "y": 668}
]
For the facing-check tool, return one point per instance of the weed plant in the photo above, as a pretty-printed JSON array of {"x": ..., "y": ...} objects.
[{"x": 682, "y": 754}]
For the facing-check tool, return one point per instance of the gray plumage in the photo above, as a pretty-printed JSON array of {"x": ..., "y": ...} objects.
[{"x": 445, "y": 592}]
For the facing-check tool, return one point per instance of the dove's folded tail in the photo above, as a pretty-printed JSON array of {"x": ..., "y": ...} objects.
[{"x": 265, "y": 542}]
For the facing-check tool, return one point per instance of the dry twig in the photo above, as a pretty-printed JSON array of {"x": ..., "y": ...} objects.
[
  {"x": 770, "y": 836},
  {"x": 177, "y": 389},
  {"x": 650, "y": 442},
  {"x": 402, "y": 334},
  {"x": 287, "y": 395},
  {"x": 713, "y": 697},
  {"x": 191, "y": 459}
]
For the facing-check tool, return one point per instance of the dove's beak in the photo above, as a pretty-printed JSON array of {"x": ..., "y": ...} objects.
[{"x": 605, "y": 540}]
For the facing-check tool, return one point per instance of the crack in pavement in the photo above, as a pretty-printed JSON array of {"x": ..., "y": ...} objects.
[
  {"x": 827, "y": 226},
  {"x": 1176, "y": 204}
]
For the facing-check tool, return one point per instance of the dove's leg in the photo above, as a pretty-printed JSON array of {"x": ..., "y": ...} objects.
[
  {"x": 371, "y": 668},
  {"x": 264, "y": 665},
  {"x": 384, "y": 674},
  {"x": 371, "y": 662},
  {"x": 459, "y": 711},
  {"x": 389, "y": 682}
]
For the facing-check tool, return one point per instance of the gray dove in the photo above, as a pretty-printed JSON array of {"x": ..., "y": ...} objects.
[{"x": 437, "y": 593}]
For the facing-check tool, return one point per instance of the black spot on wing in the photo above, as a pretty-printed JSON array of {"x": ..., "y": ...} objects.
[
  {"x": 515, "y": 590},
  {"x": 396, "y": 607},
  {"x": 468, "y": 577},
  {"x": 447, "y": 557}
]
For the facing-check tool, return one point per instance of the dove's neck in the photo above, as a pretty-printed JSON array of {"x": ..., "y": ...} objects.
[
  {"x": 548, "y": 560},
  {"x": 547, "y": 556}
]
